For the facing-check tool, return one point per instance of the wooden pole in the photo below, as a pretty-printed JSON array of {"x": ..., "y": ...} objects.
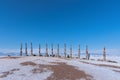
[
  {"x": 31, "y": 49},
  {"x": 52, "y": 49},
  {"x": 70, "y": 51},
  {"x": 46, "y": 50},
  {"x": 58, "y": 51},
  {"x": 39, "y": 50},
  {"x": 104, "y": 54},
  {"x": 79, "y": 51},
  {"x": 21, "y": 50},
  {"x": 26, "y": 49},
  {"x": 65, "y": 50},
  {"x": 87, "y": 52}
]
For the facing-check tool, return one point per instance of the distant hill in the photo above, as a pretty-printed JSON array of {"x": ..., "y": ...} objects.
[{"x": 6, "y": 54}]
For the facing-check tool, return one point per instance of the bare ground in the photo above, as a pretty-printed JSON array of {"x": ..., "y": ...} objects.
[
  {"x": 61, "y": 71},
  {"x": 66, "y": 72},
  {"x": 28, "y": 63}
]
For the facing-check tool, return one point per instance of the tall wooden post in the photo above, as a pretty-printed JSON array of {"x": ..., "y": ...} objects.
[
  {"x": 79, "y": 51},
  {"x": 70, "y": 51},
  {"x": 58, "y": 51},
  {"x": 46, "y": 50},
  {"x": 39, "y": 50},
  {"x": 26, "y": 53},
  {"x": 21, "y": 50},
  {"x": 65, "y": 50},
  {"x": 52, "y": 49},
  {"x": 87, "y": 52},
  {"x": 104, "y": 54},
  {"x": 31, "y": 49}
]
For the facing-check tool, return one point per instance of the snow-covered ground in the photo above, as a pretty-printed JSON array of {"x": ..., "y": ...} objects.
[{"x": 11, "y": 68}]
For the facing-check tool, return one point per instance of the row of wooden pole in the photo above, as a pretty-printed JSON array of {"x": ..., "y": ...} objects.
[{"x": 58, "y": 51}]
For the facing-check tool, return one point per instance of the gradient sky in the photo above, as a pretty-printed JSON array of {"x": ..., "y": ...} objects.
[{"x": 95, "y": 23}]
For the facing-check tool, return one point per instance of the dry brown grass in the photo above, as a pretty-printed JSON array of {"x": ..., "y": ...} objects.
[
  {"x": 117, "y": 71},
  {"x": 61, "y": 71},
  {"x": 67, "y": 72},
  {"x": 38, "y": 70},
  {"x": 5, "y": 74},
  {"x": 107, "y": 61},
  {"x": 102, "y": 65},
  {"x": 28, "y": 63},
  {"x": 112, "y": 66}
]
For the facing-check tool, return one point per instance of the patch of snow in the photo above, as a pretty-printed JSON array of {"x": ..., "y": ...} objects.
[
  {"x": 24, "y": 72},
  {"x": 98, "y": 73}
]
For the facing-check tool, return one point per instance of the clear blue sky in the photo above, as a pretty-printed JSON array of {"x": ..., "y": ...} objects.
[{"x": 92, "y": 22}]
